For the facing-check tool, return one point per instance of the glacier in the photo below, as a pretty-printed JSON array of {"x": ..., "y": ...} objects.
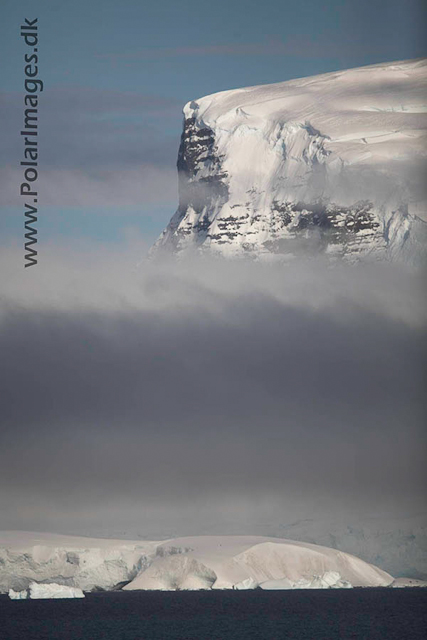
[
  {"x": 330, "y": 164},
  {"x": 89, "y": 564},
  {"x": 39, "y": 565}
]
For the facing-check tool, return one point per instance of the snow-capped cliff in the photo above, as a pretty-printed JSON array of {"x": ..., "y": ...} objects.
[{"x": 331, "y": 164}]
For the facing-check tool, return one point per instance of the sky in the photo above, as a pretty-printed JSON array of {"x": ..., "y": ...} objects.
[{"x": 170, "y": 400}]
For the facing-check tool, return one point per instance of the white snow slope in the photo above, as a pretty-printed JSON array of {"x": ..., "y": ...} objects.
[
  {"x": 201, "y": 562},
  {"x": 331, "y": 163}
]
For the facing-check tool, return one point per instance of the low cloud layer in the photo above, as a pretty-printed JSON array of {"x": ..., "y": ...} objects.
[
  {"x": 101, "y": 187},
  {"x": 177, "y": 397}
]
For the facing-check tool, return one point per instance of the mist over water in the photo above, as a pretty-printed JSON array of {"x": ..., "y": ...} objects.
[{"x": 205, "y": 396}]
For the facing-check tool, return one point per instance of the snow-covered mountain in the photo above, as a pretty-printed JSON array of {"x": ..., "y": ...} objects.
[
  {"x": 396, "y": 544},
  {"x": 196, "y": 562},
  {"x": 331, "y": 164}
]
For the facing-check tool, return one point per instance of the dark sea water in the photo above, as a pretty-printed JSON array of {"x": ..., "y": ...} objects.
[{"x": 383, "y": 614}]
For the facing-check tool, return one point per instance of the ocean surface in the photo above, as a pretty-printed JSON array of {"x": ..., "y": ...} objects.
[{"x": 380, "y": 614}]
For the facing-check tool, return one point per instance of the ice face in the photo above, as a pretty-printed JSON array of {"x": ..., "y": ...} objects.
[{"x": 18, "y": 595}]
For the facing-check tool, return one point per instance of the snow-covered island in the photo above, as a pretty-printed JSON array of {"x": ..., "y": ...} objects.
[
  {"x": 330, "y": 164},
  {"x": 49, "y": 565}
]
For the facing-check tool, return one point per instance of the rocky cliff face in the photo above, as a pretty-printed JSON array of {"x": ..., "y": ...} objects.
[{"x": 329, "y": 164}]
